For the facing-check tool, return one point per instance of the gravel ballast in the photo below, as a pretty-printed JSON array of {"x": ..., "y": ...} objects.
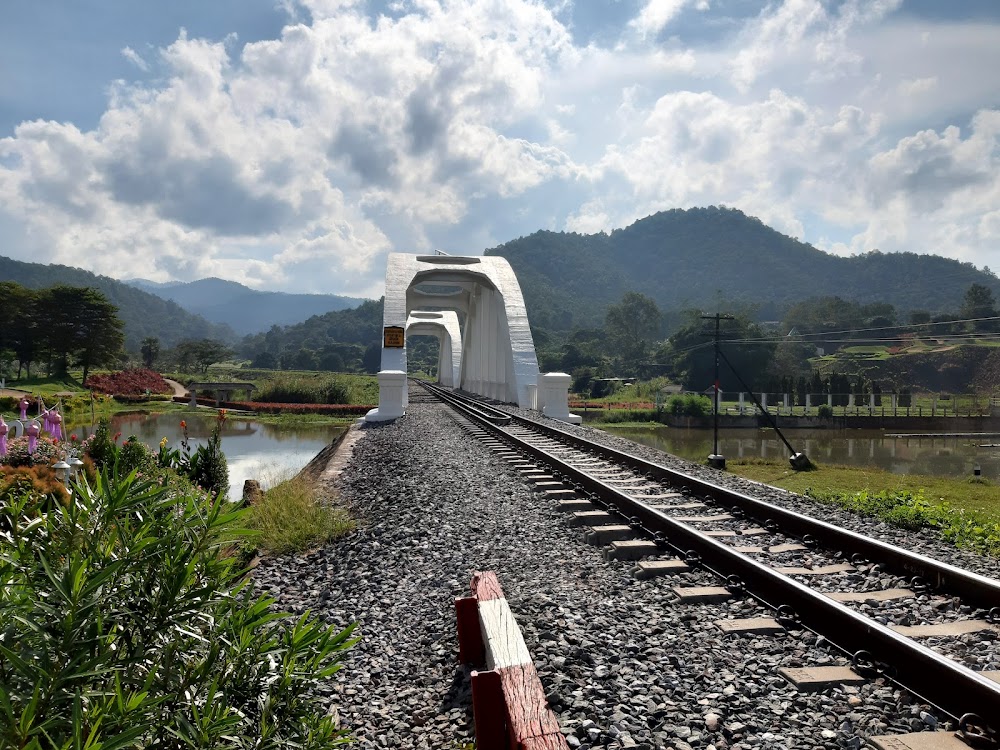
[{"x": 623, "y": 664}]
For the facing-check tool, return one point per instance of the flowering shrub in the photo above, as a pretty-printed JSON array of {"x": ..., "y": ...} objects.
[
  {"x": 127, "y": 624},
  {"x": 129, "y": 383},
  {"x": 46, "y": 452}
]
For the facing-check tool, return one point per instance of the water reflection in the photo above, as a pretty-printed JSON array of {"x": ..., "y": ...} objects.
[
  {"x": 942, "y": 456},
  {"x": 253, "y": 450}
]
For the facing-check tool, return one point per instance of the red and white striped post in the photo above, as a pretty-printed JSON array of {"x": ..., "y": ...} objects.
[{"x": 508, "y": 701}]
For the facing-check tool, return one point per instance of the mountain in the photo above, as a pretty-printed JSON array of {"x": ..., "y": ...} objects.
[
  {"x": 244, "y": 309},
  {"x": 143, "y": 314},
  {"x": 718, "y": 257},
  {"x": 337, "y": 340}
]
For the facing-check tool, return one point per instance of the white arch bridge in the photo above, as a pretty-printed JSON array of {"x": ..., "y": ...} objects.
[{"x": 474, "y": 306}]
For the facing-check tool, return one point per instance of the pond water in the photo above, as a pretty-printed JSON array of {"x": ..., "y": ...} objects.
[
  {"x": 954, "y": 456},
  {"x": 265, "y": 452}
]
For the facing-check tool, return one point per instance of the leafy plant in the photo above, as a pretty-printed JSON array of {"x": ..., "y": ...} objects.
[
  {"x": 689, "y": 405},
  {"x": 911, "y": 510},
  {"x": 124, "y": 624},
  {"x": 100, "y": 447},
  {"x": 208, "y": 467}
]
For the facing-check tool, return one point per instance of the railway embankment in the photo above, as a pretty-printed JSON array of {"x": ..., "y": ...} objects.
[{"x": 624, "y": 663}]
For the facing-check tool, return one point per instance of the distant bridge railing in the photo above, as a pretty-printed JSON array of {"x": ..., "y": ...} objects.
[{"x": 222, "y": 391}]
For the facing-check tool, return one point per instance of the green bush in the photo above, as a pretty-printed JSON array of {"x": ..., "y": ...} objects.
[
  {"x": 301, "y": 390},
  {"x": 825, "y": 411},
  {"x": 101, "y": 447},
  {"x": 208, "y": 467},
  {"x": 689, "y": 405},
  {"x": 124, "y": 624}
]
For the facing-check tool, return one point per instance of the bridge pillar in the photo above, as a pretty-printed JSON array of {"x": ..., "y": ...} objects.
[
  {"x": 555, "y": 386},
  {"x": 391, "y": 387}
]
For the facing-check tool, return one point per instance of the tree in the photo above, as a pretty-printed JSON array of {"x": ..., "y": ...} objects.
[
  {"x": 265, "y": 360},
  {"x": 632, "y": 326},
  {"x": 150, "y": 350},
  {"x": 372, "y": 360},
  {"x": 301, "y": 359},
  {"x": 979, "y": 303},
  {"x": 691, "y": 358},
  {"x": 203, "y": 353},
  {"x": 19, "y": 324},
  {"x": 80, "y": 323}
]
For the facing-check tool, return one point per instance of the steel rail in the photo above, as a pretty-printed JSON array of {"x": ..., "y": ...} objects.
[
  {"x": 953, "y": 688},
  {"x": 976, "y": 590}
]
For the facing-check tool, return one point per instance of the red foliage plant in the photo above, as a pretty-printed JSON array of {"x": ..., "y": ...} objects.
[
  {"x": 330, "y": 409},
  {"x": 129, "y": 383}
]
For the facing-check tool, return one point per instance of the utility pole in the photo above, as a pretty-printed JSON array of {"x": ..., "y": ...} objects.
[{"x": 715, "y": 460}]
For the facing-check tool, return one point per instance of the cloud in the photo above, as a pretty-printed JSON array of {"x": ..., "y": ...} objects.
[
  {"x": 296, "y": 143},
  {"x": 300, "y": 161},
  {"x": 656, "y": 15},
  {"x": 133, "y": 57},
  {"x": 918, "y": 86}
]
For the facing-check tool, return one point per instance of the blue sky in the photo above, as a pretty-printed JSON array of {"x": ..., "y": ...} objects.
[{"x": 292, "y": 144}]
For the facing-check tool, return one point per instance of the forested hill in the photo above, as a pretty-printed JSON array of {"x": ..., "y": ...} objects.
[
  {"x": 143, "y": 314},
  {"x": 706, "y": 257},
  {"x": 331, "y": 341},
  {"x": 244, "y": 309}
]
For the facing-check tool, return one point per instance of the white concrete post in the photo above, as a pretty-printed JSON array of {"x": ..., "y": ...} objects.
[
  {"x": 556, "y": 388},
  {"x": 850, "y": 399},
  {"x": 391, "y": 386},
  {"x": 532, "y": 396},
  {"x": 871, "y": 401},
  {"x": 785, "y": 399},
  {"x": 829, "y": 400},
  {"x": 763, "y": 400},
  {"x": 809, "y": 399},
  {"x": 742, "y": 407}
]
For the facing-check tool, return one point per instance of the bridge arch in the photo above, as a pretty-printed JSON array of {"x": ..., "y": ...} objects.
[
  {"x": 497, "y": 352},
  {"x": 443, "y": 325}
]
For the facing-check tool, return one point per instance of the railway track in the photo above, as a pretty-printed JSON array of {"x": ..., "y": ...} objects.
[{"x": 808, "y": 573}]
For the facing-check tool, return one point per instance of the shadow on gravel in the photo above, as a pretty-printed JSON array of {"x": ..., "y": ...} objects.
[{"x": 459, "y": 695}]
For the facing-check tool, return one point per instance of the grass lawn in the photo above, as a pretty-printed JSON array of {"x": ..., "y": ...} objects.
[{"x": 976, "y": 496}]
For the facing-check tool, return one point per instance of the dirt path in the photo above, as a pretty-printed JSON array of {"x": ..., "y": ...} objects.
[{"x": 179, "y": 390}]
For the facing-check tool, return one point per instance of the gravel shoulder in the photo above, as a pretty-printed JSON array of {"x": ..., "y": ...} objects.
[{"x": 623, "y": 664}]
